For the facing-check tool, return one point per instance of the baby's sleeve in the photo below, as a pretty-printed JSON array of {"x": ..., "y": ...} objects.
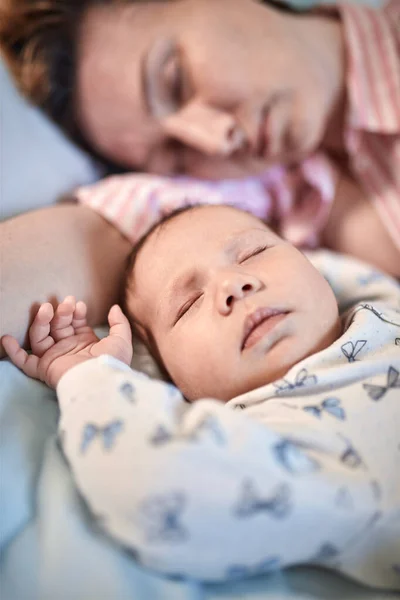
[{"x": 202, "y": 490}]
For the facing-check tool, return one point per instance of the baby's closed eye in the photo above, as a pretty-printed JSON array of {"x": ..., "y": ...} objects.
[
  {"x": 184, "y": 309},
  {"x": 252, "y": 253}
]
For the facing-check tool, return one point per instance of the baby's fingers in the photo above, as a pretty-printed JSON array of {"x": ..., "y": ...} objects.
[
  {"x": 39, "y": 331},
  {"x": 61, "y": 324},
  {"x": 79, "y": 320},
  {"x": 119, "y": 324},
  {"x": 21, "y": 359}
]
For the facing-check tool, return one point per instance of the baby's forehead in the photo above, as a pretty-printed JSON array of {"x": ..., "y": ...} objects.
[
  {"x": 195, "y": 229},
  {"x": 208, "y": 221}
]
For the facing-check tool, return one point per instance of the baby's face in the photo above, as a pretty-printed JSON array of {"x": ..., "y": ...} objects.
[{"x": 229, "y": 304}]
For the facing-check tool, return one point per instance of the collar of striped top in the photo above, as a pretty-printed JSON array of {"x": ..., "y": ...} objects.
[{"x": 372, "y": 39}]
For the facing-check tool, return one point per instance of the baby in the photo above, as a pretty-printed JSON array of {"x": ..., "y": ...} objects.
[{"x": 286, "y": 450}]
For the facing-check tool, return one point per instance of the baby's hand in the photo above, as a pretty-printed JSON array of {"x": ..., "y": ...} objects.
[{"x": 62, "y": 339}]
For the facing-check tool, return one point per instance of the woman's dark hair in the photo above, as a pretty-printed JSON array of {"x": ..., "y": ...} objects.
[{"x": 39, "y": 39}]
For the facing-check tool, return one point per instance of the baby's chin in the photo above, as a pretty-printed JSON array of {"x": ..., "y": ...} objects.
[
  {"x": 274, "y": 366},
  {"x": 238, "y": 388},
  {"x": 274, "y": 373},
  {"x": 260, "y": 381}
]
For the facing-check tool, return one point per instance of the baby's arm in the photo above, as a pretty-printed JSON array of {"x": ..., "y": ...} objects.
[
  {"x": 49, "y": 253},
  {"x": 203, "y": 490}
]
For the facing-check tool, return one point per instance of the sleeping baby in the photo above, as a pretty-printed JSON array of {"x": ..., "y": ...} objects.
[{"x": 274, "y": 438}]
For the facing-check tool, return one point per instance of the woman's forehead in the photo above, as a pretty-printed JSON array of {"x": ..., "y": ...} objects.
[{"x": 109, "y": 96}]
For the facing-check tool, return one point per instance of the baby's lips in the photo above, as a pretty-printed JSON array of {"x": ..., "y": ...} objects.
[{"x": 256, "y": 318}]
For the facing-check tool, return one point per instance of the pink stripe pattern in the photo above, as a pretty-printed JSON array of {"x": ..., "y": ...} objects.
[
  {"x": 299, "y": 198},
  {"x": 372, "y": 135}
]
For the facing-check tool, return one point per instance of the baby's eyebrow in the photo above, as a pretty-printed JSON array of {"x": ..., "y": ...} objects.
[
  {"x": 184, "y": 281},
  {"x": 231, "y": 247}
]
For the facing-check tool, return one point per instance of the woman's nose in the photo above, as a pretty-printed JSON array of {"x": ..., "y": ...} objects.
[
  {"x": 235, "y": 286},
  {"x": 205, "y": 129}
]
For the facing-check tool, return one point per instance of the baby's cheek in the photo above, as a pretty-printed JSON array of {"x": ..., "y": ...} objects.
[
  {"x": 323, "y": 324},
  {"x": 316, "y": 292},
  {"x": 188, "y": 362}
]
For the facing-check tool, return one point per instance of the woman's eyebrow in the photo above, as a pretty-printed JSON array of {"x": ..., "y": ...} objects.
[{"x": 152, "y": 64}]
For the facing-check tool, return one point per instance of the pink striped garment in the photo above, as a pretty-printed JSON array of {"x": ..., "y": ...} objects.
[
  {"x": 372, "y": 135},
  {"x": 298, "y": 198}
]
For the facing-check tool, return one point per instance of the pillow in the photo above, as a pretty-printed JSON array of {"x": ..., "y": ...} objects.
[{"x": 37, "y": 163}]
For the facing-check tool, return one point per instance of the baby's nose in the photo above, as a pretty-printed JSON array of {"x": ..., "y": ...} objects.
[
  {"x": 206, "y": 129},
  {"x": 236, "y": 287}
]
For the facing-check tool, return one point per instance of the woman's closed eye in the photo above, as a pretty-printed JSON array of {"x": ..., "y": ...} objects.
[
  {"x": 253, "y": 252},
  {"x": 164, "y": 79},
  {"x": 173, "y": 78},
  {"x": 185, "y": 308}
]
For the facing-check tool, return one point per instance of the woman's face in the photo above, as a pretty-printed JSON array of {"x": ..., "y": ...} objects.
[{"x": 210, "y": 88}]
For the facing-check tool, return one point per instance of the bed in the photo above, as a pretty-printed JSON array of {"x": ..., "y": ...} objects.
[{"x": 50, "y": 548}]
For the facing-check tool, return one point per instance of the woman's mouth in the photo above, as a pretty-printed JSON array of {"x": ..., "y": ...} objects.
[{"x": 259, "y": 323}]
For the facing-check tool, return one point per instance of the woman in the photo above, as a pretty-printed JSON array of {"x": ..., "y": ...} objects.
[{"x": 212, "y": 89}]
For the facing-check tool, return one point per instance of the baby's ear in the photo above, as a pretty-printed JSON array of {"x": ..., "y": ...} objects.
[
  {"x": 140, "y": 333},
  {"x": 146, "y": 356}
]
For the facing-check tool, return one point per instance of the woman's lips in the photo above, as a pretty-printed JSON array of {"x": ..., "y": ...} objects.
[{"x": 258, "y": 324}]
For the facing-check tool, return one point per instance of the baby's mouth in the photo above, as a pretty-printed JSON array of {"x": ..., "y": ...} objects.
[{"x": 259, "y": 323}]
